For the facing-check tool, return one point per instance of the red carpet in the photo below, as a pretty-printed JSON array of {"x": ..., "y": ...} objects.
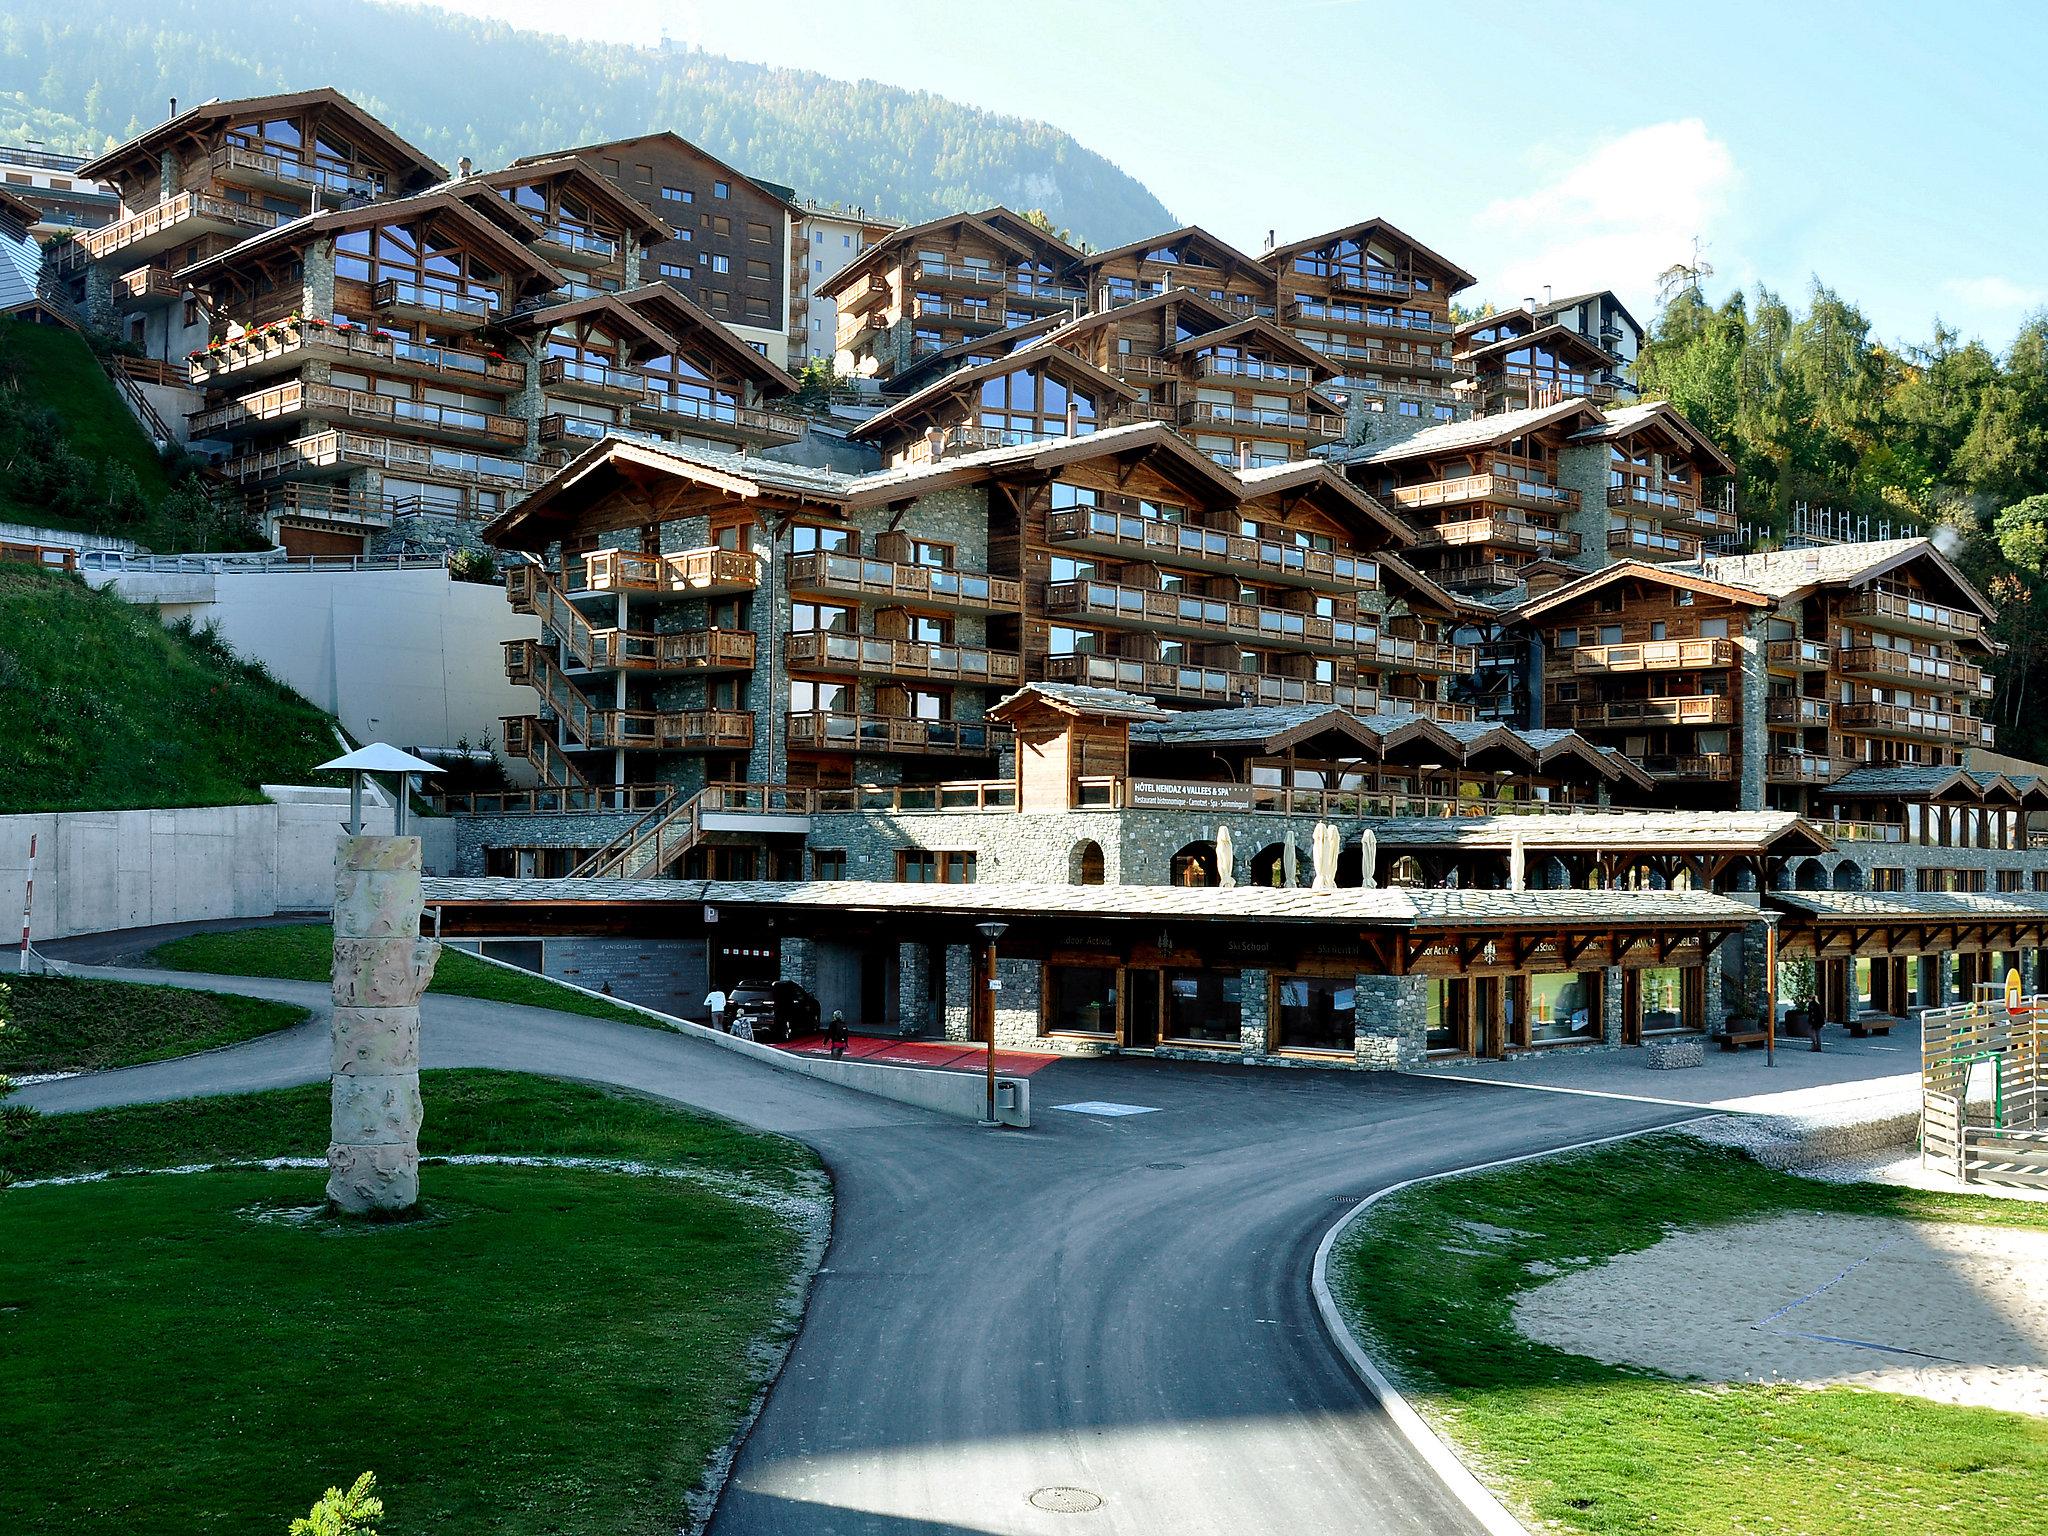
[{"x": 942, "y": 1055}]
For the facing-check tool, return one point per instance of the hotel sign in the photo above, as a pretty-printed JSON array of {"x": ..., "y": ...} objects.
[{"x": 1185, "y": 795}]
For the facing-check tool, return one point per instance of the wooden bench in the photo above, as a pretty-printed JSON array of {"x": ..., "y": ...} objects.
[
  {"x": 1873, "y": 1023},
  {"x": 1741, "y": 1030}
]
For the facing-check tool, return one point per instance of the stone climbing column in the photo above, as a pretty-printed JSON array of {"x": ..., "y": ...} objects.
[
  {"x": 381, "y": 966},
  {"x": 1611, "y": 1028},
  {"x": 1252, "y": 994}
]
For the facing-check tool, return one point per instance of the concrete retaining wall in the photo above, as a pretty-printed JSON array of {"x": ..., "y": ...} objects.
[{"x": 102, "y": 870}]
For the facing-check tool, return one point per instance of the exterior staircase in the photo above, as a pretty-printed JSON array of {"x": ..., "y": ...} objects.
[{"x": 655, "y": 844}]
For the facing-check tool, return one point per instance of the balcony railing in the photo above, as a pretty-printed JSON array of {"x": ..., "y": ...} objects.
[
  {"x": 984, "y": 316},
  {"x": 146, "y": 287},
  {"x": 1367, "y": 280},
  {"x": 690, "y": 650},
  {"x": 1864, "y": 831},
  {"x": 818, "y": 731},
  {"x": 955, "y": 273},
  {"x": 234, "y": 161},
  {"x": 877, "y": 656},
  {"x": 715, "y": 418},
  {"x": 284, "y": 343},
  {"x": 471, "y": 308},
  {"x": 703, "y": 572},
  {"x": 1403, "y": 360},
  {"x": 1424, "y": 656},
  {"x": 1655, "y": 656},
  {"x": 1258, "y": 418},
  {"x": 1907, "y": 720},
  {"x": 688, "y": 730},
  {"x": 579, "y": 376},
  {"x": 1184, "y": 544},
  {"x": 1937, "y": 674},
  {"x": 1217, "y": 685},
  {"x": 918, "y": 585},
  {"x": 1486, "y": 487},
  {"x": 1900, "y": 610},
  {"x": 1704, "y": 709},
  {"x": 580, "y": 244},
  {"x": 1208, "y": 617},
  {"x": 171, "y": 222},
  {"x": 338, "y": 449},
  {"x": 1361, "y": 317},
  {"x": 1045, "y": 291},
  {"x": 1251, "y": 370},
  {"x": 1796, "y": 709},
  {"x": 1712, "y": 767},
  {"x": 1799, "y": 655},
  {"x": 1644, "y": 539},
  {"x": 1503, "y": 529},
  {"x": 555, "y": 800},
  {"x": 302, "y": 397},
  {"x": 1798, "y": 768}
]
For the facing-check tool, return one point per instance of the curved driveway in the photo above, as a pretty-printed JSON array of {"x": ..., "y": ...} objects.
[{"x": 1118, "y": 1305}]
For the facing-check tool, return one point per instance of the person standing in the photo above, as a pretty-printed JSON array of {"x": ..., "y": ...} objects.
[
  {"x": 835, "y": 1034},
  {"x": 714, "y": 1004}
]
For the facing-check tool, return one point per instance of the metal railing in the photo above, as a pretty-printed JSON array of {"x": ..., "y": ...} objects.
[
  {"x": 852, "y": 574},
  {"x": 1654, "y": 656}
]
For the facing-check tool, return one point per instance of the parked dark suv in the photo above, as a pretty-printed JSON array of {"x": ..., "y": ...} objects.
[{"x": 776, "y": 1011}]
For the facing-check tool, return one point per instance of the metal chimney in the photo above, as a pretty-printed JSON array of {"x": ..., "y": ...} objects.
[
  {"x": 174, "y": 106},
  {"x": 463, "y": 167}
]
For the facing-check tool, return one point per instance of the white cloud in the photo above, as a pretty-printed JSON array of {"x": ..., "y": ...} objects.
[
  {"x": 1612, "y": 218},
  {"x": 1990, "y": 307}
]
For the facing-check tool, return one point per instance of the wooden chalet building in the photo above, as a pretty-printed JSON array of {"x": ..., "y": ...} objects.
[
  {"x": 1377, "y": 303},
  {"x": 938, "y": 285},
  {"x": 209, "y": 177},
  {"x": 1518, "y": 365},
  {"x": 1669, "y": 489},
  {"x": 1605, "y": 321},
  {"x": 1189, "y": 259}
]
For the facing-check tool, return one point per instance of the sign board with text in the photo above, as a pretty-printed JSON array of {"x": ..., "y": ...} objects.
[{"x": 1185, "y": 795}]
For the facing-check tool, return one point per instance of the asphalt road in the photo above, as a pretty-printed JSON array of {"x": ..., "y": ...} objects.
[{"x": 1115, "y": 1304}]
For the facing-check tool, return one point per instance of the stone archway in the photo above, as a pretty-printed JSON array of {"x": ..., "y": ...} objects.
[
  {"x": 1085, "y": 863},
  {"x": 1194, "y": 864}
]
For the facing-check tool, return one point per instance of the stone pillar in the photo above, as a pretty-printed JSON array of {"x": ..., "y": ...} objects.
[
  {"x": 1754, "y": 696},
  {"x": 1254, "y": 990},
  {"x": 798, "y": 959},
  {"x": 1584, "y": 469},
  {"x": 1017, "y": 1003},
  {"x": 318, "y": 280},
  {"x": 959, "y": 1001},
  {"x": 1716, "y": 981},
  {"x": 1610, "y": 1006},
  {"x": 381, "y": 966},
  {"x": 913, "y": 988},
  {"x": 1393, "y": 1022},
  {"x": 169, "y": 175}
]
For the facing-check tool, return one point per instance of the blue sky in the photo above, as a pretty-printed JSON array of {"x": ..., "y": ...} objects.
[{"x": 1895, "y": 150}]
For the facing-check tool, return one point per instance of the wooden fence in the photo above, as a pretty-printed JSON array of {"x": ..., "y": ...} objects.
[{"x": 1995, "y": 1043}]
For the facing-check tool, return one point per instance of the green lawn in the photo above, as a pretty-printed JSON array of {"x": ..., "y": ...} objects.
[
  {"x": 551, "y": 1350},
  {"x": 1597, "y": 1448},
  {"x": 103, "y": 708},
  {"x": 55, "y": 369},
  {"x": 64, "y": 1024},
  {"x": 305, "y": 952}
]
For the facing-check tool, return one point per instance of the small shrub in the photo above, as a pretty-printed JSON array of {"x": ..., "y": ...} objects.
[{"x": 344, "y": 1514}]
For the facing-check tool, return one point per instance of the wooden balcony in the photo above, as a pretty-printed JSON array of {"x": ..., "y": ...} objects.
[
  {"x": 465, "y": 311},
  {"x": 691, "y": 650},
  {"x": 286, "y": 344},
  {"x": 1799, "y": 768},
  {"x": 1796, "y": 709},
  {"x": 1502, "y": 530},
  {"x": 1368, "y": 281},
  {"x": 1408, "y": 360},
  {"x": 1473, "y": 566},
  {"x": 885, "y": 582},
  {"x": 1502, "y": 489},
  {"x": 300, "y": 399},
  {"x": 305, "y": 501},
  {"x": 1264, "y": 421},
  {"x": 176, "y": 221},
  {"x": 1868, "y": 718},
  {"x": 1706, "y": 768},
  {"x": 1701, "y": 709},
  {"x": 958, "y": 277},
  {"x": 1397, "y": 388},
  {"x": 661, "y": 730},
  {"x": 1913, "y": 615},
  {"x": 146, "y": 288},
  {"x": 1365, "y": 319},
  {"x": 1656, "y": 656},
  {"x": 565, "y": 246},
  {"x": 1935, "y": 674},
  {"x": 1251, "y": 373},
  {"x": 1430, "y": 656},
  {"x": 597, "y": 383},
  {"x": 963, "y": 317},
  {"x": 883, "y": 736},
  {"x": 1207, "y": 618},
  {"x": 714, "y": 418},
  {"x": 1794, "y": 656},
  {"x": 875, "y": 656},
  {"x": 705, "y": 572},
  {"x": 1663, "y": 503},
  {"x": 339, "y": 451},
  {"x": 241, "y": 166},
  {"x": 1206, "y": 685},
  {"x": 1639, "y": 538},
  {"x": 862, "y": 297},
  {"x": 1270, "y": 553},
  {"x": 1042, "y": 293}
]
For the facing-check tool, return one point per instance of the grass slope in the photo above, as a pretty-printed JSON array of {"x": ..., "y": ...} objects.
[
  {"x": 1596, "y": 1448},
  {"x": 65, "y": 1024},
  {"x": 106, "y": 709},
  {"x": 53, "y": 367},
  {"x": 553, "y": 1350},
  {"x": 305, "y": 952}
]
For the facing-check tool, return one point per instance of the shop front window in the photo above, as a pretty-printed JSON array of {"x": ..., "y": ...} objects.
[
  {"x": 1661, "y": 995},
  {"x": 1205, "y": 1007},
  {"x": 1080, "y": 1000},
  {"x": 1564, "y": 1005},
  {"x": 1317, "y": 1013}
]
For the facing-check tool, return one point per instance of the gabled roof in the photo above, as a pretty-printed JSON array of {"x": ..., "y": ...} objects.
[
  {"x": 599, "y": 189},
  {"x": 512, "y": 252},
  {"x": 1641, "y": 570},
  {"x": 1318, "y": 476},
  {"x": 1080, "y": 700},
  {"x": 1561, "y": 337},
  {"x": 1622, "y": 422},
  {"x": 1266, "y": 334},
  {"x": 1909, "y": 781},
  {"x": 884, "y": 251},
  {"x": 585, "y": 151},
  {"x": 625, "y": 321},
  {"x": 1574, "y": 300},
  {"x": 19, "y": 208},
  {"x": 1052, "y": 250},
  {"x": 1912, "y": 906},
  {"x": 1784, "y": 573},
  {"x": 207, "y": 113},
  {"x": 686, "y": 321},
  {"x": 1187, "y": 233},
  {"x": 1482, "y": 432},
  {"x": 1044, "y": 355},
  {"x": 1279, "y": 255},
  {"x": 1006, "y": 340},
  {"x": 1185, "y": 298}
]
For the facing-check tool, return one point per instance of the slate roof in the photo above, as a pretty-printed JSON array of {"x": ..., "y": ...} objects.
[
  {"x": 1081, "y": 699},
  {"x": 1691, "y": 831},
  {"x": 1919, "y": 782},
  {"x": 1910, "y": 906},
  {"x": 1476, "y": 433},
  {"x": 1388, "y": 906}
]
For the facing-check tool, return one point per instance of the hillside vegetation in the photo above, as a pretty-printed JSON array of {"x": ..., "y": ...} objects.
[
  {"x": 90, "y": 73},
  {"x": 107, "y": 709}
]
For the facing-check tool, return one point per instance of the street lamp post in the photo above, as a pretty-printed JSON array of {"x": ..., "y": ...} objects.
[{"x": 990, "y": 932}]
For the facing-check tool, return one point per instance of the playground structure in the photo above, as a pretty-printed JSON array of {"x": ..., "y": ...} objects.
[{"x": 1997, "y": 1043}]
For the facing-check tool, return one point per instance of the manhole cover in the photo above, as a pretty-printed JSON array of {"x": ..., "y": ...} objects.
[
  {"x": 1163, "y": 1167},
  {"x": 1066, "y": 1501}
]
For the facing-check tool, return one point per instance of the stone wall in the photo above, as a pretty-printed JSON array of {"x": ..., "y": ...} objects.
[
  {"x": 1393, "y": 1022},
  {"x": 1584, "y": 468},
  {"x": 1752, "y": 657}
]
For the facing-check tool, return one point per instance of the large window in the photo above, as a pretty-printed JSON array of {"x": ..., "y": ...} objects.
[
  {"x": 1080, "y": 1000},
  {"x": 1665, "y": 999},
  {"x": 1316, "y": 1013},
  {"x": 1205, "y": 1007},
  {"x": 918, "y": 866},
  {"x": 1564, "y": 1005}
]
